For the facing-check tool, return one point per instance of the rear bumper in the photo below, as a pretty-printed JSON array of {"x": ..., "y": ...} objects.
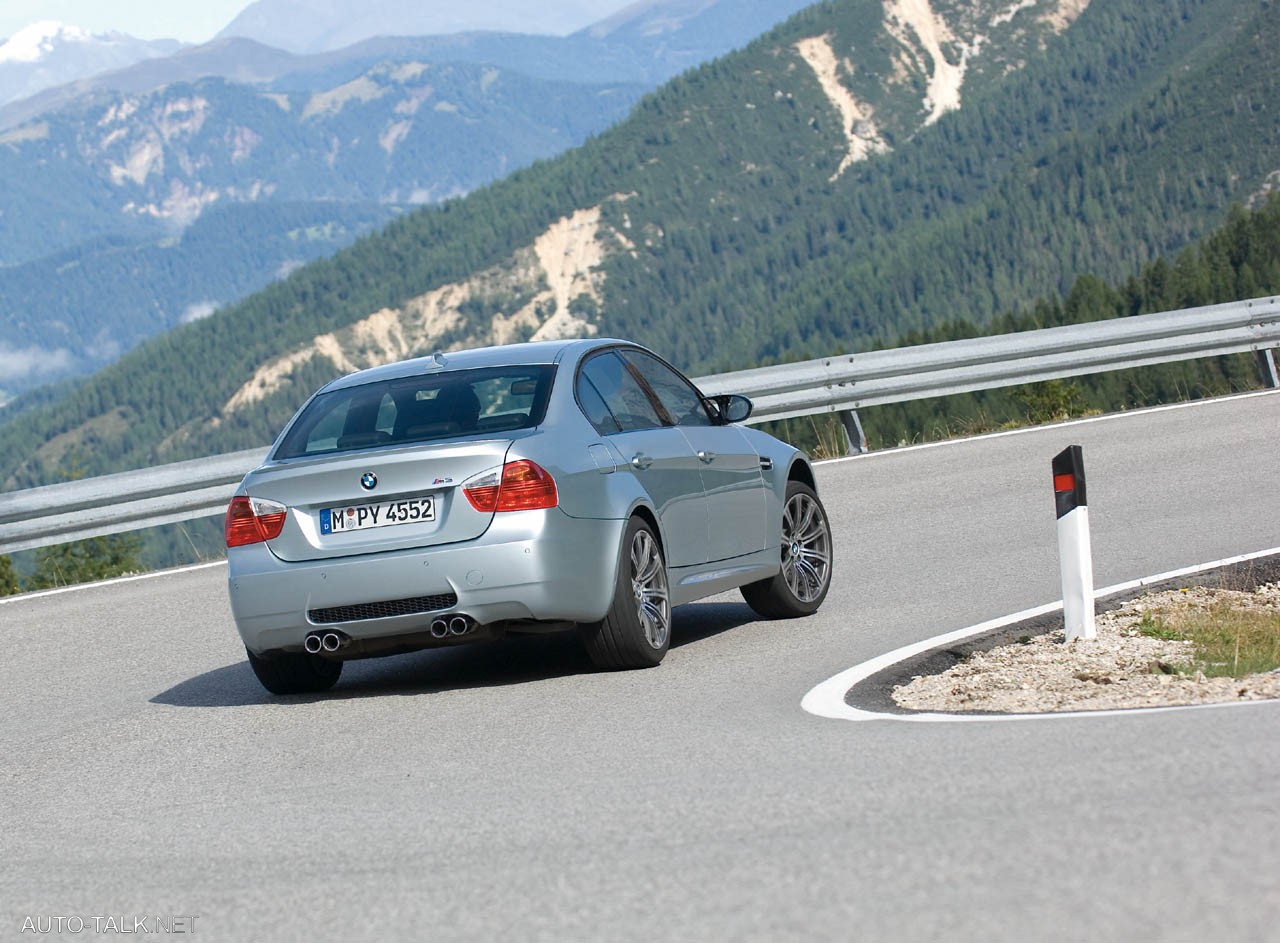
[{"x": 541, "y": 565}]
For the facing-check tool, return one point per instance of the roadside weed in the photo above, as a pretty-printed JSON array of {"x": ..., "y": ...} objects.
[{"x": 1227, "y": 641}]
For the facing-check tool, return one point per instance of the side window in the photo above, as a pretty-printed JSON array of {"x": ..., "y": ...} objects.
[
  {"x": 676, "y": 394},
  {"x": 608, "y": 381},
  {"x": 594, "y": 406}
]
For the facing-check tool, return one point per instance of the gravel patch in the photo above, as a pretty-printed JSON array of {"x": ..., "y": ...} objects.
[{"x": 1121, "y": 668}]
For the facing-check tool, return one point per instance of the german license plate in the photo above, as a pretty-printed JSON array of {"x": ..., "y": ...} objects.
[{"x": 365, "y": 516}]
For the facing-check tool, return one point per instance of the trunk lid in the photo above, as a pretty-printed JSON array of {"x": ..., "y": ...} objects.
[{"x": 315, "y": 490}]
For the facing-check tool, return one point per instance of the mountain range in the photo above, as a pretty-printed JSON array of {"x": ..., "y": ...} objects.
[
  {"x": 106, "y": 174},
  {"x": 323, "y": 25},
  {"x": 863, "y": 171}
]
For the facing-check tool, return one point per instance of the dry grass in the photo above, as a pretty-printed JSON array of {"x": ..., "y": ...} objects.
[{"x": 1228, "y": 641}]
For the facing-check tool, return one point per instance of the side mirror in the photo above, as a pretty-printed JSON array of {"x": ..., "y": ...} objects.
[{"x": 730, "y": 407}]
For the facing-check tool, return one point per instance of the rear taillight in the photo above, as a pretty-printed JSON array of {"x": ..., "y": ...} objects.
[
  {"x": 253, "y": 520},
  {"x": 516, "y": 486}
]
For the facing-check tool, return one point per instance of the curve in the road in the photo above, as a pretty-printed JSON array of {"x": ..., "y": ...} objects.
[{"x": 828, "y": 698}]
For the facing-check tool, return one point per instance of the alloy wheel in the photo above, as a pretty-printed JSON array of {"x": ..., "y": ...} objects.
[
  {"x": 806, "y": 548},
  {"x": 649, "y": 586}
]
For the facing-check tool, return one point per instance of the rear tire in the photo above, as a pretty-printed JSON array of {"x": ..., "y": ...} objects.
[
  {"x": 295, "y": 672},
  {"x": 802, "y": 583},
  {"x": 636, "y": 632}
]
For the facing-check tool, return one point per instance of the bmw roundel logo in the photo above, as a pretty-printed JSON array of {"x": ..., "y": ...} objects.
[{"x": 368, "y": 481}]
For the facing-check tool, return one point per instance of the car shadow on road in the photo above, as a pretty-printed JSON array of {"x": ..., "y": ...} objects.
[{"x": 513, "y": 660}]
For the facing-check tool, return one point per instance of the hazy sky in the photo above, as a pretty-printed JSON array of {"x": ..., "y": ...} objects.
[{"x": 192, "y": 21}]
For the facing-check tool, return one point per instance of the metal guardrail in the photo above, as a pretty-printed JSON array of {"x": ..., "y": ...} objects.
[
  {"x": 833, "y": 384},
  {"x": 110, "y": 504},
  {"x": 169, "y": 493}
]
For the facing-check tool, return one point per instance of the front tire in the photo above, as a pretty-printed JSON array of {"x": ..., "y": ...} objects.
[
  {"x": 636, "y": 632},
  {"x": 802, "y": 583},
  {"x": 295, "y": 672}
]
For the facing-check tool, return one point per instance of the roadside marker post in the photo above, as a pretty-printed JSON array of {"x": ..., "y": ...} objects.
[{"x": 1075, "y": 553}]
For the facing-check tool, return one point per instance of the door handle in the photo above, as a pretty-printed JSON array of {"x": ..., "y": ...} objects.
[
  {"x": 706, "y": 457},
  {"x": 641, "y": 461}
]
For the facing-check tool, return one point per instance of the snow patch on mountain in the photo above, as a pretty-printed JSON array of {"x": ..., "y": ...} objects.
[
  {"x": 48, "y": 53},
  {"x": 39, "y": 40}
]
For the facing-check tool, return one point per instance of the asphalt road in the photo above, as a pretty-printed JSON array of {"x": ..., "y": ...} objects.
[{"x": 509, "y": 792}]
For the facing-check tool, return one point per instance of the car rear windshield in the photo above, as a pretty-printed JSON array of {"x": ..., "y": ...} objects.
[{"x": 418, "y": 409}]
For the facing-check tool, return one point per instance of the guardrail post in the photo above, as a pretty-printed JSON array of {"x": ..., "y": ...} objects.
[
  {"x": 1074, "y": 552},
  {"x": 854, "y": 437},
  {"x": 1267, "y": 364}
]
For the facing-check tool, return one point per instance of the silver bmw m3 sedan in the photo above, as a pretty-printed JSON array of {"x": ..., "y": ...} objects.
[{"x": 529, "y": 488}]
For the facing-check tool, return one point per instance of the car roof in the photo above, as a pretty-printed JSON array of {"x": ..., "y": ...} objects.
[{"x": 506, "y": 355}]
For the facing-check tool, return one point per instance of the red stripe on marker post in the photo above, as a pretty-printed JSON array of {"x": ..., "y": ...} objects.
[
  {"x": 1068, "y": 480},
  {"x": 1075, "y": 554}
]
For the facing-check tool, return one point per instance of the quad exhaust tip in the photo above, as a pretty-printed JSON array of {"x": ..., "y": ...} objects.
[{"x": 442, "y": 628}]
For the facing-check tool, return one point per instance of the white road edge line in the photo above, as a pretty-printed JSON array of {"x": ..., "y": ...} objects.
[
  {"x": 827, "y": 699},
  {"x": 155, "y": 574},
  {"x": 1106, "y": 417}
]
